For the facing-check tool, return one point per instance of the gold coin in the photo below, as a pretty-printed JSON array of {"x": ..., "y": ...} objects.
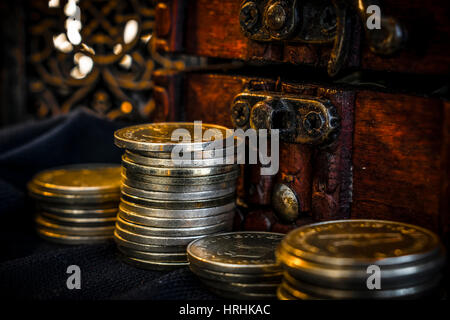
[{"x": 79, "y": 179}]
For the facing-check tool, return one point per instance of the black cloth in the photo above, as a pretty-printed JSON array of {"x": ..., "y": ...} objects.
[{"x": 34, "y": 268}]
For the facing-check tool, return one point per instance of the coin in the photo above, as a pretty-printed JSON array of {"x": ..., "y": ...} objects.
[
  {"x": 76, "y": 199},
  {"x": 79, "y": 179},
  {"x": 153, "y": 256},
  {"x": 182, "y": 181},
  {"x": 71, "y": 212},
  {"x": 175, "y": 205},
  {"x": 55, "y": 218},
  {"x": 419, "y": 290},
  {"x": 282, "y": 294},
  {"x": 159, "y": 266},
  {"x": 177, "y": 196},
  {"x": 354, "y": 277},
  {"x": 272, "y": 277},
  {"x": 361, "y": 242},
  {"x": 75, "y": 231},
  {"x": 172, "y": 232},
  {"x": 133, "y": 167},
  {"x": 179, "y": 162},
  {"x": 177, "y": 213},
  {"x": 147, "y": 247},
  {"x": 243, "y": 252},
  {"x": 70, "y": 239},
  {"x": 206, "y": 154},
  {"x": 158, "y": 136},
  {"x": 242, "y": 295},
  {"x": 241, "y": 287},
  {"x": 161, "y": 241},
  {"x": 177, "y": 188},
  {"x": 294, "y": 294},
  {"x": 174, "y": 222}
]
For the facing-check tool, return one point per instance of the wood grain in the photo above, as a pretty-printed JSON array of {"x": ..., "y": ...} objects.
[
  {"x": 212, "y": 29},
  {"x": 396, "y": 158}
]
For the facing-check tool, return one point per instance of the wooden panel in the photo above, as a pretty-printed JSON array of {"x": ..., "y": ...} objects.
[
  {"x": 212, "y": 29},
  {"x": 399, "y": 153},
  {"x": 396, "y": 158}
]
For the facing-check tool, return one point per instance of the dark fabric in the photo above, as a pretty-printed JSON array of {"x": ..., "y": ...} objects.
[{"x": 34, "y": 268}]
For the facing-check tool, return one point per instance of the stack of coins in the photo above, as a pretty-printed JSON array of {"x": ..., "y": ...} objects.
[
  {"x": 166, "y": 202},
  {"x": 360, "y": 259},
  {"x": 76, "y": 204},
  {"x": 237, "y": 265}
]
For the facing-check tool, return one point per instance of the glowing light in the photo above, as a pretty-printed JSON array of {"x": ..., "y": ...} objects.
[
  {"x": 117, "y": 49},
  {"x": 146, "y": 38},
  {"x": 130, "y": 31},
  {"x": 73, "y": 31},
  {"x": 60, "y": 42},
  {"x": 53, "y": 4},
  {"x": 126, "y": 61},
  {"x": 126, "y": 107},
  {"x": 85, "y": 64},
  {"x": 70, "y": 8}
]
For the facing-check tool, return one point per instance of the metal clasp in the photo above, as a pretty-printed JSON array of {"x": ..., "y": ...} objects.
[{"x": 300, "y": 119}]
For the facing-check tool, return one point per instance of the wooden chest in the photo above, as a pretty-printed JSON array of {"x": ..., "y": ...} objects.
[{"x": 389, "y": 158}]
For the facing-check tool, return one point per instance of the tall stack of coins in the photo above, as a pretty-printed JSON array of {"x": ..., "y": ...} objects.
[
  {"x": 359, "y": 259},
  {"x": 237, "y": 265},
  {"x": 166, "y": 202},
  {"x": 76, "y": 204}
]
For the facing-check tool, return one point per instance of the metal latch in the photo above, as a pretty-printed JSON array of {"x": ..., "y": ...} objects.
[
  {"x": 300, "y": 119},
  {"x": 319, "y": 21}
]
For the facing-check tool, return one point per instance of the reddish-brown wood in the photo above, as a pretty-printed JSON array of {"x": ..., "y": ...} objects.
[
  {"x": 399, "y": 153},
  {"x": 169, "y": 22},
  {"x": 166, "y": 93},
  {"x": 396, "y": 158},
  {"x": 212, "y": 29}
]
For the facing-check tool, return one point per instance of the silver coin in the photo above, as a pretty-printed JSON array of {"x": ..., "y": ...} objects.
[
  {"x": 206, "y": 154},
  {"x": 81, "y": 222},
  {"x": 345, "y": 277},
  {"x": 152, "y": 256},
  {"x": 269, "y": 288},
  {"x": 179, "y": 162},
  {"x": 242, "y": 252},
  {"x": 272, "y": 277},
  {"x": 45, "y": 224},
  {"x": 158, "y": 136},
  {"x": 177, "y": 196},
  {"x": 81, "y": 179},
  {"x": 361, "y": 242},
  {"x": 415, "y": 291},
  {"x": 242, "y": 295},
  {"x": 71, "y": 198},
  {"x": 147, "y": 247},
  {"x": 133, "y": 167},
  {"x": 175, "y": 205},
  {"x": 151, "y": 265},
  {"x": 176, "y": 188},
  {"x": 174, "y": 222},
  {"x": 182, "y": 181},
  {"x": 177, "y": 213},
  {"x": 173, "y": 232},
  {"x": 70, "y": 239},
  {"x": 160, "y": 241},
  {"x": 71, "y": 212}
]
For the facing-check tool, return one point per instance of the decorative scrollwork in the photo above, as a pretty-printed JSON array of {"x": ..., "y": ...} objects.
[{"x": 96, "y": 54}]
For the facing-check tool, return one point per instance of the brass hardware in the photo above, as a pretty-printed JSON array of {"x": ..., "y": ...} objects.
[
  {"x": 320, "y": 22},
  {"x": 285, "y": 202},
  {"x": 300, "y": 119}
]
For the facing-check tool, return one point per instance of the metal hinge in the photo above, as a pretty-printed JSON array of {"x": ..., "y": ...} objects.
[{"x": 319, "y": 21}]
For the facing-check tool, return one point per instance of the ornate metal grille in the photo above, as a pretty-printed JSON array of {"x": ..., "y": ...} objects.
[{"x": 92, "y": 53}]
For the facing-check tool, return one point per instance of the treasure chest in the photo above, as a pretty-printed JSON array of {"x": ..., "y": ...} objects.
[{"x": 356, "y": 89}]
